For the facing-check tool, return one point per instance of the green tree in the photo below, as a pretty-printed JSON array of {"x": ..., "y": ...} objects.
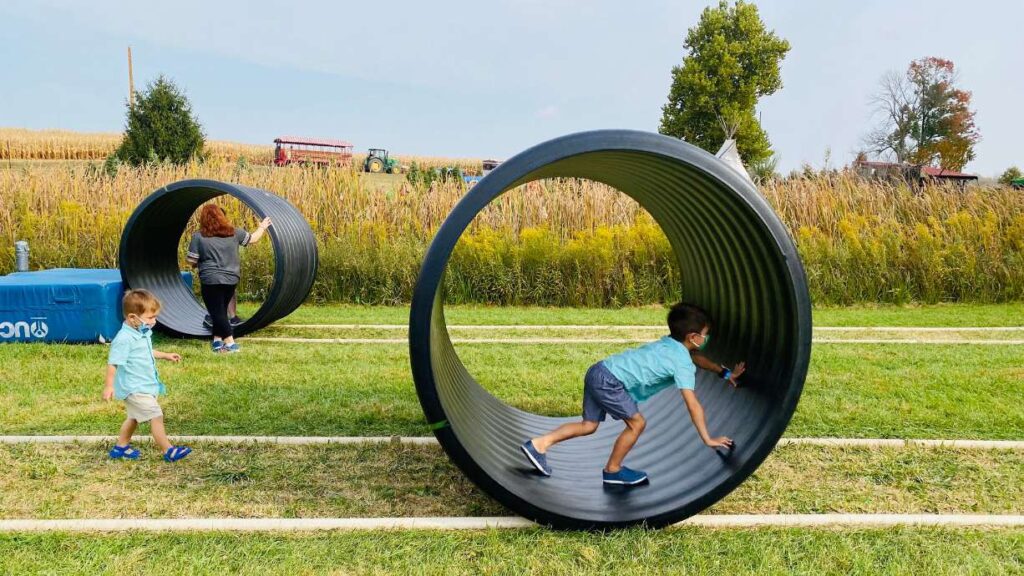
[
  {"x": 161, "y": 127},
  {"x": 764, "y": 171},
  {"x": 1012, "y": 173},
  {"x": 926, "y": 119},
  {"x": 731, "y": 61}
]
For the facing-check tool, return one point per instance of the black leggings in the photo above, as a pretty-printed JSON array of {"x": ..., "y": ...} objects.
[{"x": 216, "y": 298}]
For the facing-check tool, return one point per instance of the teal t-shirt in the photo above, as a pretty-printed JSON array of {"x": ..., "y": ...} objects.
[
  {"x": 651, "y": 368},
  {"x": 132, "y": 352}
]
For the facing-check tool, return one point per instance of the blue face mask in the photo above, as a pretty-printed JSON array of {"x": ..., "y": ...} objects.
[{"x": 143, "y": 328}]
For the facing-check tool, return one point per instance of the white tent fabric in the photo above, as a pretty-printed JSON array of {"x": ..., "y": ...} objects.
[{"x": 731, "y": 156}]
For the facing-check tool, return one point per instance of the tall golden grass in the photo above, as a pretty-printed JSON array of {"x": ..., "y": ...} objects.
[
  {"x": 550, "y": 242},
  {"x": 877, "y": 242}
]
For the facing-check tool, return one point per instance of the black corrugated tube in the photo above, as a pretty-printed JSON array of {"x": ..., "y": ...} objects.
[
  {"x": 736, "y": 260},
  {"x": 149, "y": 253}
]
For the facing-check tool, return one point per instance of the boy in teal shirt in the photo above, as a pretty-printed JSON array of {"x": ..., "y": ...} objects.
[
  {"x": 616, "y": 384},
  {"x": 132, "y": 376}
]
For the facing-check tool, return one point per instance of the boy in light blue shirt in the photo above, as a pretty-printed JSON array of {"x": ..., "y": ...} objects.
[
  {"x": 132, "y": 376},
  {"x": 616, "y": 384}
]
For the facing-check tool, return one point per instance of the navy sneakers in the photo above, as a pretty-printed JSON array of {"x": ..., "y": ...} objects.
[
  {"x": 539, "y": 461},
  {"x": 624, "y": 477}
]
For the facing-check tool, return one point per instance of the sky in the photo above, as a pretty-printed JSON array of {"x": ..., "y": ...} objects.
[{"x": 489, "y": 79}]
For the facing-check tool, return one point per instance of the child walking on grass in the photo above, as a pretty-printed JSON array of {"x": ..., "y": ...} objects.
[
  {"x": 132, "y": 376},
  {"x": 616, "y": 384}
]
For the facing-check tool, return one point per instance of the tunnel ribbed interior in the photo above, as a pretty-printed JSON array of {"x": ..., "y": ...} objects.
[
  {"x": 149, "y": 257},
  {"x": 737, "y": 261}
]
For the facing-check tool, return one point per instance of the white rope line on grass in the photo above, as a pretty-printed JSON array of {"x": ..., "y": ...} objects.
[
  {"x": 422, "y": 440},
  {"x": 647, "y": 327},
  {"x": 288, "y": 440},
  {"x": 1018, "y": 342},
  {"x": 286, "y": 339},
  {"x": 905, "y": 442},
  {"x": 487, "y": 522},
  {"x": 474, "y": 326},
  {"x": 919, "y": 328},
  {"x": 454, "y": 340},
  {"x": 261, "y": 524},
  {"x": 849, "y": 520}
]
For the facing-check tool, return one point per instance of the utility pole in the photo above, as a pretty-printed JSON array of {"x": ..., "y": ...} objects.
[{"x": 131, "y": 81}]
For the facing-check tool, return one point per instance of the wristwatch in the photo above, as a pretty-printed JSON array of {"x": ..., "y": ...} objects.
[{"x": 725, "y": 373}]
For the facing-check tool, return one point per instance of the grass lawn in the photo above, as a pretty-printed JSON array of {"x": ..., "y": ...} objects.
[
  {"x": 677, "y": 551},
  {"x": 271, "y": 388},
  {"x": 77, "y": 481},
  {"x": 880, "y": 315},
  {"x": 630, "y": 335},
  {"x": 892, "y": 390}
]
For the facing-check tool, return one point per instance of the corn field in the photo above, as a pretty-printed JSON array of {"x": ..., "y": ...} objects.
[
  {"x": 23, "y": 144},
  {"x": 561, "y": 242}
]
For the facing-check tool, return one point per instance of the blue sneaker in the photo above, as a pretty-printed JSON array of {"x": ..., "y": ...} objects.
[
  {"x": 624, "y": 477},
  {"x": 232, "y": 348},
  {"x": 539, "y": 461},
  {"x": 217, "y": 346}
]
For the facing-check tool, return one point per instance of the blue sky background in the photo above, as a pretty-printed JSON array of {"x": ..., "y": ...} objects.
[{"x": 462, "y": 78}]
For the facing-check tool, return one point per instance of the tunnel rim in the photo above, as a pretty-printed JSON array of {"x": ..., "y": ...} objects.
[
  {"x": 269, "y": 310},
  {"x": 516, "y": 171}
]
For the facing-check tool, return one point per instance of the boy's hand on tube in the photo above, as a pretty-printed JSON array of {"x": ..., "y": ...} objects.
[
  {"x": 736, "y": 372},
  {"x": 720, "y": 442}
]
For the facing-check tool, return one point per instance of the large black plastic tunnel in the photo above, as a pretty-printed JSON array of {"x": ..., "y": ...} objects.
[
  {"x": 149, "y": 255},
  {"x": 736, "y": 260}
]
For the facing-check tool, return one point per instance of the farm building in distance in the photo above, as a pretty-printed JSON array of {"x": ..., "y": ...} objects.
[{"x": 911, "y": 173}]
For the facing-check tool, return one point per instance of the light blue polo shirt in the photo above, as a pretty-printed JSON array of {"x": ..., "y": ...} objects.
[
  {"x": 132, "y": 352},
  {"x": 651, "y": 368}
]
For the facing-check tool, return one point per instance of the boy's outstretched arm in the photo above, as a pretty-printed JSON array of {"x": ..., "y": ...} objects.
[
  {"x": 710, "y": 365},
  {"x": 704, "y": 362},
  {"x": 697, "y": 415},
  {"x": 172, "y": 356},
  {"x": 108, "y": 382}
]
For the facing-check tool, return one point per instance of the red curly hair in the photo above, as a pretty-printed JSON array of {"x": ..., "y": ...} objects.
[{"x": 213, "y": 222}]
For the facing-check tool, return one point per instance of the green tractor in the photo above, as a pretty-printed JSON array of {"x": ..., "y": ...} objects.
[{"x": 377, "y": 161}]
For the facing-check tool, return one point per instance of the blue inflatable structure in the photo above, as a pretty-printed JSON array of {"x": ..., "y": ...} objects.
[{"x": 62, "y": 305}]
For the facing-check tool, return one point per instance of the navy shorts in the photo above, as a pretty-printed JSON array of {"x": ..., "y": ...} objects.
[{"x": 603, "y": 394}]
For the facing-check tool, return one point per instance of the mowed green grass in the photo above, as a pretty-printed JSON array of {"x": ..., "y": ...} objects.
[
  {"x": 676, "y": 551},
  {"x": 620, "y": 334},
  {"x": 273, "y": 388},
  {"x": 881, "y": 315},
  {"x": 272, "y": 481},
  {"x": 280, "y": 389}
]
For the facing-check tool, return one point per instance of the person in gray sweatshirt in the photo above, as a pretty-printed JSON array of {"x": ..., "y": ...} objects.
[{"x": 214, "y": 250}]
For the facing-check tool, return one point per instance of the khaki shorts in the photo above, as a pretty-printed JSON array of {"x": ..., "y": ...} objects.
[{"x": 142, "y": 407}]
